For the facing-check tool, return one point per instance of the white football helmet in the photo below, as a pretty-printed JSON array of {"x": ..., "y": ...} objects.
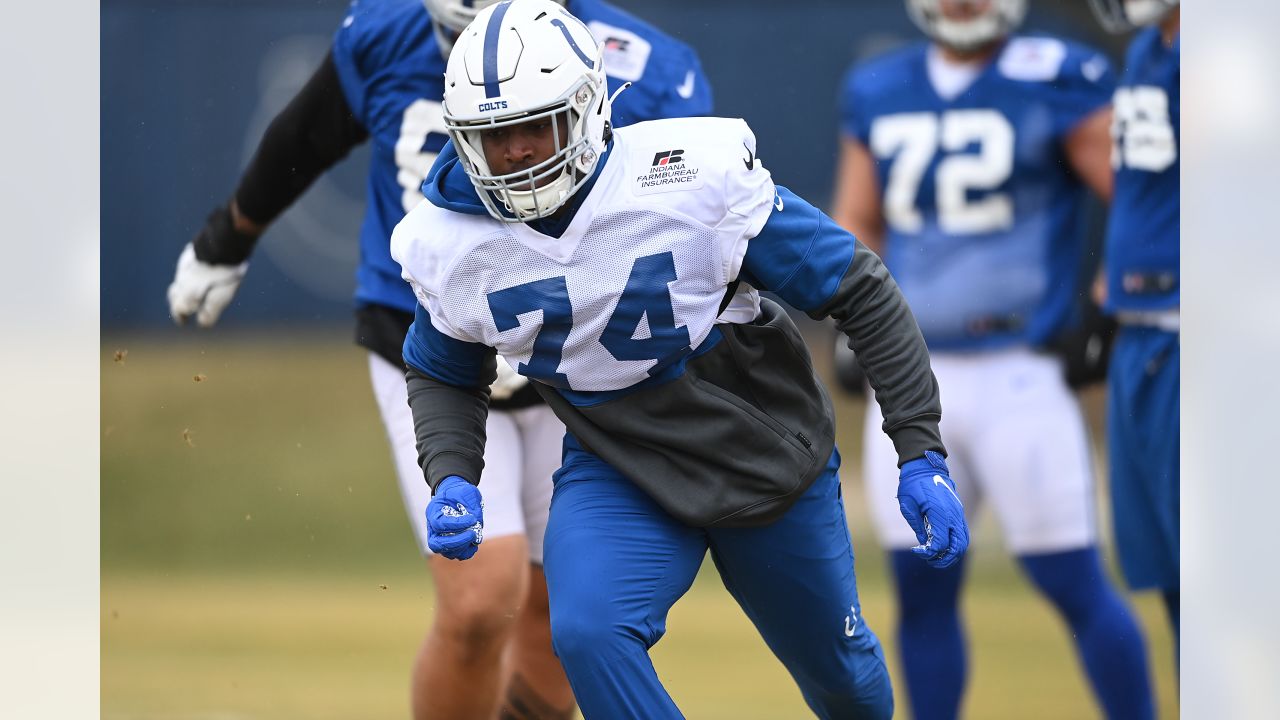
[
  {"x": 450, "y": 17},
  {"x": 1123, "y": 15},
  {"x": 520, "y": 61},
  {"x": 998, "y": 19}
]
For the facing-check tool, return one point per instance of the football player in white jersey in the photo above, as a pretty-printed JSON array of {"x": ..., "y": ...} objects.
[
  {"x": 620, "y": 271},
  {"x": 382, "y": 82},
  {"x": 965, "y": 161}
]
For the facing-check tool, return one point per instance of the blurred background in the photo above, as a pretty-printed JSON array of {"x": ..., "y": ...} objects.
[{"x": 256, "y": 561}]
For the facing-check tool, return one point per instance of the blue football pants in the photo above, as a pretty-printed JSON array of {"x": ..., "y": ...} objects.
[
  {"x": 616, "y": 562},
  {"x": 1143, "y": 416}
]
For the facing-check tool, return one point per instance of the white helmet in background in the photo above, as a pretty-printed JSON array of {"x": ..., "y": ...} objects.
[
  {"x": 996, "y": 20},
  {"x": 449, "y": 17},
  {"x": 520, "y": 61},
  {"x": 1124, "y": 15}
]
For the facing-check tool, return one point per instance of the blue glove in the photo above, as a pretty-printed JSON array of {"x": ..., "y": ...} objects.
[
  {"x": 455, "y": 519},
  {"x": 928, "y": 500}
]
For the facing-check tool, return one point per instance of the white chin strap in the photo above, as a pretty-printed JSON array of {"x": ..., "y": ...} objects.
[
  {"x": 532, "y": 204},
  {"x": 968, "y": 34}
]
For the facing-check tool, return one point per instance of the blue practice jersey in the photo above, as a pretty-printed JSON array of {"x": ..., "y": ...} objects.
[
  {"x": 1142, "y": 259},
  {"x": 392, "y": 74},
  {"x": 982, "y": 214}
]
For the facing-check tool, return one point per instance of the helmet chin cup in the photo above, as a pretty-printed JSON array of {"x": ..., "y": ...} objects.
[{"x": 1000, "y": 19}]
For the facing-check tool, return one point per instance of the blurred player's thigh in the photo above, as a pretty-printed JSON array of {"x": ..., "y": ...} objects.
[
  {"x": 880, "y": 471},
  {"x": 503, "y": 459},
  {"x": 1029, "y": 448},
  {"x": 1015, "y": 434},
  {"x": 541, "y": 436}
]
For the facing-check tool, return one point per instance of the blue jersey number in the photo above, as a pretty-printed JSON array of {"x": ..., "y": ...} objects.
[
  {"x": 551, "y": 296},
  {"x": 642, "y": 326}
]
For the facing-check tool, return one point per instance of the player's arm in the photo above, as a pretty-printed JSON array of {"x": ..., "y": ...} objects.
[
  {"x": 1080, "y": 104},
  {"x": 448, "y": 385},
  {"x": 313, "y": 132},
  {"x": 856, "y": 200},
  {"x": 449, "y": 396},
  {"x": 1088, "y": 150},
  {"x": 816, "y": 266}
]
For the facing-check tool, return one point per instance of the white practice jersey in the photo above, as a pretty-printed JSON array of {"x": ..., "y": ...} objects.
[{"x": 636, "y": 280}]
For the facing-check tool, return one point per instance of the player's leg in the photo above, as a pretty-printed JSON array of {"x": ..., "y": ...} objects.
[
  {"x": 460, "y": 669},
  {"x": 538, "y": 687},
  {"x": 931, "y": 637},
  {"x": 1106, "y": 635},
  {"x": 931, "y": 640},
  {"x": 615, "y": 564},
  {"x": 1033, "y": 450},
  {"x": 1173, "y": 606},
  {"x": 477, "y": 601},
  {"x": 1143, "y": 418},
  {"x": 795, "y": 579}
]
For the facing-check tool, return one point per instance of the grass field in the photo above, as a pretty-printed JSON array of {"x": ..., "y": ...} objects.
[{"x": 257, "y": 563}]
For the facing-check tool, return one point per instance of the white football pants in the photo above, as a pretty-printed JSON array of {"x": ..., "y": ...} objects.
[{"x": 522, "y": 451}]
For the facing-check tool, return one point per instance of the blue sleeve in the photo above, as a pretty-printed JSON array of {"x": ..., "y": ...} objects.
[
  {"x": 800, "y": 254},
  {"x": 442, "y": 358},
  {"x": 852, "y": 122},
  {"x": 348, "y": 56},
  {"x": 1085, "y": 84},
  {"x": 689, "y": 92}
]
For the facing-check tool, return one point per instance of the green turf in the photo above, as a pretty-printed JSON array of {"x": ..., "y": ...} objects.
[{"x": 243, "y": 565}]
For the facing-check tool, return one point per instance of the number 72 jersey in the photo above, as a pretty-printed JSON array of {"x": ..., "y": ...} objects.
[{"x": 980, "y": 208}]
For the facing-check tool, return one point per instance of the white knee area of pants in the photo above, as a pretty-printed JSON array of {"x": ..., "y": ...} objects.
[
  {"x": 1015, "y": 437},
  {"x": 522, "y": 451}
]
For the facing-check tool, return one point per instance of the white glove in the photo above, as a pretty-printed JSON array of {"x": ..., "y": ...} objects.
[
  {"x": 202, "y": 289},
  {"x": 508, "y": 382}
]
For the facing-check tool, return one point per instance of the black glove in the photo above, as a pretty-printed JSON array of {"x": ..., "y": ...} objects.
[{"x": 1085, "y": 347}]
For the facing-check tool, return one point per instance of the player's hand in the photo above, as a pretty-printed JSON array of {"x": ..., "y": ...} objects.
[
  {"x": 455, "y": 519},
  {"x": 202, "y": 289},
  {"x": 928, "y": 500},
  {"x": 508, "y": 382}
]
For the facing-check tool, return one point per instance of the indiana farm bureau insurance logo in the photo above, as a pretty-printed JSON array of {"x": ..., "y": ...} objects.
[{"x": 668, "y": 171}]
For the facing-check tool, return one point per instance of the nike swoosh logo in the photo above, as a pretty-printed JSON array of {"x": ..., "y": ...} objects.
[
  {"x": 777, "y": 200},
  {"x": 937, "y": 480},
  {"x": 685, "y": 89},
  {"x": 750, "y": 162},
  {"x": 850, "y": 629}
]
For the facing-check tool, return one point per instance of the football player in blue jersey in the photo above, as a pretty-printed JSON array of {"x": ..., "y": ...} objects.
[
  {"x": 1142, "y": 289},
  {"x": 383, "y": 81},
  {"x": 620, "y": 270},
  {"x": 964, "y": 162}
]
